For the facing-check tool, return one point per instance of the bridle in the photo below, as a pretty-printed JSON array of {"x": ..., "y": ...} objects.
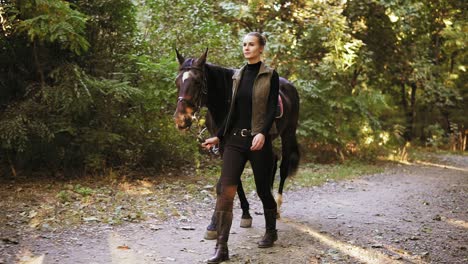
[
  {"x": 198, "y": 101},
  {"x": 203, "y": 90}
]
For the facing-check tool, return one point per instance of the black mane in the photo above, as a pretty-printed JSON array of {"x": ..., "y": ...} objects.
[{"x": 219, "y": 82}]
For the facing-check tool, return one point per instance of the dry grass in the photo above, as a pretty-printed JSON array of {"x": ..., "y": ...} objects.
[{"x": 44, "y": 203}]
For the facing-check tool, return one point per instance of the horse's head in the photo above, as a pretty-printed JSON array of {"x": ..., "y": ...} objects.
[{"x": 192, "y": 89}]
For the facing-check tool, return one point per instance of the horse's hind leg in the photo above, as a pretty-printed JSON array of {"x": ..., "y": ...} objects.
[
  {"x": 246, "y": 220},
  {"x": 273, "y": 174},
  {"x": 275, "y": 166},
  {"x": 284, "y": 169}
]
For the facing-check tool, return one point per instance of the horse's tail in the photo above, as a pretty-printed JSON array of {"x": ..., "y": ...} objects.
[
  {"x": 290, "y": 147},
  {"x": 293, "y": 146},
  {"x": 294, "y": 156},
  {"x": 289, "y": 164}
]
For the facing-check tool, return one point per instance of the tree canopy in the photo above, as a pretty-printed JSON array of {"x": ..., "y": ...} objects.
[{"x": 89, "y": 85}]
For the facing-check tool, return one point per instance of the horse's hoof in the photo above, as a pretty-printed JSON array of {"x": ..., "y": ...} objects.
[
  {"x": 246, "y": 222},
  {"x": 211, "y": 235}
]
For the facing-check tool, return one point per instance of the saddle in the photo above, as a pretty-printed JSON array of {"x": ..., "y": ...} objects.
[{"x": 279, "y": 108}]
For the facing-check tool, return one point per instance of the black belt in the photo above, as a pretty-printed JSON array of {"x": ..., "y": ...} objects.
[{"x": 243, "y": 132}]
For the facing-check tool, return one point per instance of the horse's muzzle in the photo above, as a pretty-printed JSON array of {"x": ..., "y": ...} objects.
[{"x": 183, "y": 122}]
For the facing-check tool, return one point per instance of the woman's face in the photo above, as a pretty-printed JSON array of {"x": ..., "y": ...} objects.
[{"x": 251, "y": 48}]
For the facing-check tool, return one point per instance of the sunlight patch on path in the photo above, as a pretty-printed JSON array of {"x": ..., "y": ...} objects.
[
  {"x": 404, "y": 254},
  {"x": 32, "y": 260},
  {"x": 119, "y": 250},
  {"x": 455, "y": 222},
  {"x": 439, "y": 165},
  {"x": 364, "y": 255}
]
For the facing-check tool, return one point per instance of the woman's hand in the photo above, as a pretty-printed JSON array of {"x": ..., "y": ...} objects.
[
  {"x": 210, "y": 142},
  {"x": 257, "y": 142}
]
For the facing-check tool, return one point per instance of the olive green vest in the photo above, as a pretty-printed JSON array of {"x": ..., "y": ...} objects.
[{"x": 261, "y": 90}]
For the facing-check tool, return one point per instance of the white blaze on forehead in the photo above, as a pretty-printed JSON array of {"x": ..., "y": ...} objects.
[{"x": 186, "y": 75}]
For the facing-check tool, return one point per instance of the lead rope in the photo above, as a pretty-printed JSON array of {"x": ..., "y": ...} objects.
[{"x": 199, "y": 135}]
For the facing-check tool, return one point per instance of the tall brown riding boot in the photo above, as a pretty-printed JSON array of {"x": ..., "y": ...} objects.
[
  {"x": 271, "y": 234},
  {"x": 223, "y": 226}
]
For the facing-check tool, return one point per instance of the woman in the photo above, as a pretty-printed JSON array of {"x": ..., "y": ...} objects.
[{"x": 246, "y": 135}]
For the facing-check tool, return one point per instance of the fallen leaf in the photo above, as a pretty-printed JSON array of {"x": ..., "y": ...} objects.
[
  {"x": 155, "y": 228},
  {"x": 124, "y": 247},
  {"x": 208, "y": 187},
  {"x": 377, "y": 246},
  {"x": 90, "y": 219},
  {"x": 9, "y": 240},
  {"x": 32, "y": 214}
]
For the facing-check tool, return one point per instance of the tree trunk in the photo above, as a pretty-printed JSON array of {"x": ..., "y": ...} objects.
[
  {"x": 12, "y": 166},
  {"x": 38, "y": 65},
  {"x": 407, "y": 134},
  {"x": 465, "y": 136},
  {"x": 409, "y": 110},
  {"x": 425, "y": 112},
  {"x": 412, "y": 111},
  {"x": 448, "y": 126}
]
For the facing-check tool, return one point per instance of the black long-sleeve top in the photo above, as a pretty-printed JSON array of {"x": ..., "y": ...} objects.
[{"x": 242, "y": 112}]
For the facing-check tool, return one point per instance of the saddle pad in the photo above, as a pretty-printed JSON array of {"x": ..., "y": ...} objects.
[{"x": 279, "y": 108}]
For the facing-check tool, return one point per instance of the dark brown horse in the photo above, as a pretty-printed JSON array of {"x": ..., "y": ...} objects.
[{"x": 202, "y": 84}]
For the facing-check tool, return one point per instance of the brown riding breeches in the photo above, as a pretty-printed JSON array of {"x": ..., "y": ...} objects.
[{"x": 236, "y": 153}]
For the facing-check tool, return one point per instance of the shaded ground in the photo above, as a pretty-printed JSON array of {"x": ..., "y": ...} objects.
[{"x": 408, "y": 214}]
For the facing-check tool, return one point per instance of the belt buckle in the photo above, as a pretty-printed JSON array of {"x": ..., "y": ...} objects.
[{"x": 244, "y": 131}]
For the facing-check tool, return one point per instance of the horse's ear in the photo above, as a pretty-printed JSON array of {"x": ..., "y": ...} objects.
[
  {"x": 202, "y": 60},
  {"x": 180, "y": 58}
]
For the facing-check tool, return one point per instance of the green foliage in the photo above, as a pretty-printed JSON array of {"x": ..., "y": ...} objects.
[
  {"x": 83, "y": 190},
  {"x": 83, "y": 114},
  {"x": 90, "y": 84},
  {"x": 53, "y": 21},
  {"x": 411, "y": 49},
  {"x": 17, "y": 132},
  {"x": 188, "y": 25},
  {"x": 435, "y": 136},
  {"x": 63, "y": 196}
]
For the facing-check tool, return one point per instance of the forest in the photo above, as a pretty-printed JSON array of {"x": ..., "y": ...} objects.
[{"x": 87, "y": 86}]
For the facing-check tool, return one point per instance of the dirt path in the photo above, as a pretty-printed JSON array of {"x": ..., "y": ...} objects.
[{"x": 408, "y": 214}]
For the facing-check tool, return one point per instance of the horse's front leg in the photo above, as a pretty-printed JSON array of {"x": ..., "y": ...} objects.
[
  {"x": 246, "y": 220},
  {"x": 211, "y": 231}
]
